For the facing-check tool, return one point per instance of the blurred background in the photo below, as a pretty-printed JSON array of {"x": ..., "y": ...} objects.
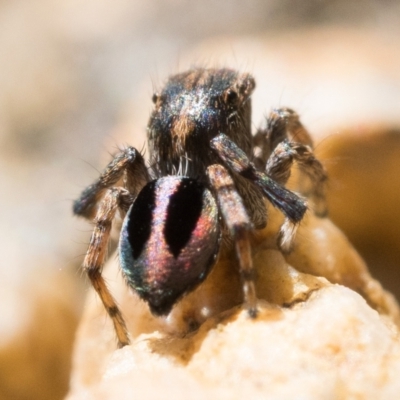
[{"x": 76, "y": 79}]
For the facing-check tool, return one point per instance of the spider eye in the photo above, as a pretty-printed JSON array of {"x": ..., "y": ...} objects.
[
  {"x": 158, "y": 98},
  {"x": 155, "y": 97},
  {"x": 231, "y": 97}
]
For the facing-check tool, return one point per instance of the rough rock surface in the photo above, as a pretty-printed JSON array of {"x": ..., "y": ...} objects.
[
  {"x": 331, "y": 347},
  {"x": 313, "y": 337}
]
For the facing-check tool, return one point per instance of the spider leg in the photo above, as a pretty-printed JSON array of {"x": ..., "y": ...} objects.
[
  {"x": 129, "y": 164},
  {"x": 239, "y": 225},
  {"x": 292, "y": 206},
  {"x": 281, "y": 124},
  {"x": 288, "y": 202},
  {"x": 280, "y": 163},
  {"x": 283, "y": 141},
  {"x": 114, "y": 199}
]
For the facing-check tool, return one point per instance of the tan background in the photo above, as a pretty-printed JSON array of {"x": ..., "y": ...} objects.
[{"x": 76, "y": 79}]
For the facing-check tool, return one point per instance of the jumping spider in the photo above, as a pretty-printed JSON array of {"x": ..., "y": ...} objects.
[{"x": 207, "y": 180}]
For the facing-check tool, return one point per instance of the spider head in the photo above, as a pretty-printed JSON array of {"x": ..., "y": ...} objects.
[{"x": 194, "y": 107}]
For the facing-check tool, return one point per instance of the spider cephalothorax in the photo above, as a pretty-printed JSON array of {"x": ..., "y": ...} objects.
[
  {"x": 207, "y": 180},
  {"x": 193, "y": 108}
]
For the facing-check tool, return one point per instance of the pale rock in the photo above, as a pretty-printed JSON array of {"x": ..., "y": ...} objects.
[
  {"x": 312, "y": 338},
  {"x": 332, "y": 346}
]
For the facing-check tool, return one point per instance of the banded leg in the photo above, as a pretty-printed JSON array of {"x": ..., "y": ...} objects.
[
  {"x": 283, "y": 141},
  {"x": 114, "y": 199},
  {"x": 292, "y": 206},
  {"x": 281, "y": 161},
  {"x": 281, "y": 124},
  {"x": 239, "y": 225},
  {"x": 128, "y": 164}
]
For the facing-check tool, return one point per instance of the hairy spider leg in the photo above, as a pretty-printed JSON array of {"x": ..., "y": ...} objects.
[
  {"x": 239, "y": 225},
  {"x": 280, "y": 163},
  {"x": 128, "y": 164},
  {"x": 283, "y": 141},
  {"x": 114, "y": 199},
  {"x": 282, "y": 123},
  {"x": 292, "y": 206}
]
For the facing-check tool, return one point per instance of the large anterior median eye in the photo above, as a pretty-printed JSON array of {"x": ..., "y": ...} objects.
[
  {"x": 169, "y": 240},
  {"x": 231, "y": 97}
]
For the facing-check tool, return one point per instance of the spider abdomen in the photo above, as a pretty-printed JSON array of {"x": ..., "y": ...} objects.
[{"x": 169, "y": 240}]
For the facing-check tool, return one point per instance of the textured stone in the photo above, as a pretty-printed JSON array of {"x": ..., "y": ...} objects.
[
  {"x": 331, "y": 346},
  {"x": 312, "y": 337}
]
